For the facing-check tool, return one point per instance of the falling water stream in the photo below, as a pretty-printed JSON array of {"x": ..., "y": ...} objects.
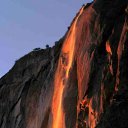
[{"x": 62, "y": 74}]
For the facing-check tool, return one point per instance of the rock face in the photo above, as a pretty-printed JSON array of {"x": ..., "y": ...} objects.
[{"x": 81, "y": 82}]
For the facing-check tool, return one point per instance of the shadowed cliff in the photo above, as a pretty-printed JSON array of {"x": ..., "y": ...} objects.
[{"x": 81, "y": 82}]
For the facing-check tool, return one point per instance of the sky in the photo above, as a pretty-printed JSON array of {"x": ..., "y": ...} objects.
[{"x": 29, "y": 24}]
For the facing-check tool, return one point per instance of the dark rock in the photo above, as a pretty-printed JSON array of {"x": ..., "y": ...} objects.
[{"x": 92, "y": 66}]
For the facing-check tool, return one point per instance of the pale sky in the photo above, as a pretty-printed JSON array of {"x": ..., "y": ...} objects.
[{"x": 28, "y": 24}]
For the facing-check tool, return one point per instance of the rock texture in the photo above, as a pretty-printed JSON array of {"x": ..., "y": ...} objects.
[{"x": 92, "y": 59}]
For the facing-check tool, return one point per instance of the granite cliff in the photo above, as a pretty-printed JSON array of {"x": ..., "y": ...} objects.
[{"x": 81, "y": 82}]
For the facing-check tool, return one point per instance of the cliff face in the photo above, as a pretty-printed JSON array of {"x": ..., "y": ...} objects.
[{"x": 79, "y": 83}]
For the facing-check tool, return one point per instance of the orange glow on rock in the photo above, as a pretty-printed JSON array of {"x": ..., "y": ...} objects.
[
  {"x": 92, "y": 115},
  {"x": 61, "y": 76},
  {"x": 108, "y": 48}
]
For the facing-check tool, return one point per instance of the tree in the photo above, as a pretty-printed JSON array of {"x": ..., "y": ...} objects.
[
  {"x": 47, "y": 46},
  {"x": 36, "y": 49}
]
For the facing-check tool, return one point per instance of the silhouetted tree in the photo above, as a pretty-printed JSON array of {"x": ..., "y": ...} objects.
[
  {"x": 36, "y": 49},
  {"x": 47, "y": 46}
]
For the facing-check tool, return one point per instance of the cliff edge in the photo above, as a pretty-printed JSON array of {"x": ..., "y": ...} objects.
[{"x": 81, "y": 82}]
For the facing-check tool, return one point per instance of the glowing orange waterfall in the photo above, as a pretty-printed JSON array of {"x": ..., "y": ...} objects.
[{"x": 61, "y": 76}]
